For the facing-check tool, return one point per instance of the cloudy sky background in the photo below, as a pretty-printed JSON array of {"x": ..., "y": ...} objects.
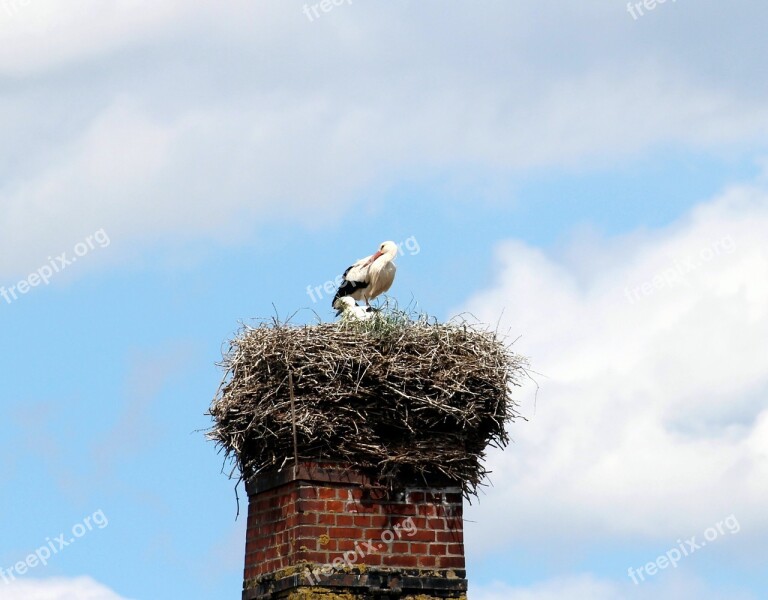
[{"x": 596, "y": 184}]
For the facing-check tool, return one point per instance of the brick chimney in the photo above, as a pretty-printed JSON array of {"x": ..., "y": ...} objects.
[{"x": 328, "y": 532}]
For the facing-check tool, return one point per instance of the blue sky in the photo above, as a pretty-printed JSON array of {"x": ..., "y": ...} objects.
[{"x": 539, "y": 163}]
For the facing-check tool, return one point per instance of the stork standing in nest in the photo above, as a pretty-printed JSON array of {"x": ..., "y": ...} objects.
[{"x": 368, "y": 277}]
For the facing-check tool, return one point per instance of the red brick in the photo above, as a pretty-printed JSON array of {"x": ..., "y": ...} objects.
[
  {"x": 348, "y": 532},
  {"x": 310, "y": 543},
  {"x": 327, "y": 493},
  {"x": 271, "y": 515},
  {"x": 307, "y": 518},
  {"x": 380, "y": 521},
  {"x": 397, "y": 560},
  {"x": 332, "y": 545},
  {"x": 451, "y": 562},
  {"x": 317, "y": 557},
  {"x": 373, "y": 560},
  {"x": 414, "y": 523},
  {"x": 345, "y": 520},
  {"x": 371, "y": 534},
  {"x": 447, "y": 536},
  {"x": 438, "y": 549},
  {"x": 359, "y": 507},
  {"x": 334, "y": 506},
  {"x": 457, "y": 549},
  {"x": 313, "y": 505},
  {"x": 362, "y": 521},
  {"x": 399, "y": 548},
  {"x": 401, "y": 509},
  {"x": 344, "y": 545},
  {"x": 315, "y": 532},
  {"x": 419, "y": 548},
  {"x": 423, "y": 535},
  {"x": 428, "y": 561}
]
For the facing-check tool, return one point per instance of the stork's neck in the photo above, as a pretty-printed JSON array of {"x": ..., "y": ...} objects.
[
  {"x": 382, "y": 262},
  {"x": 388, "y": 256}
]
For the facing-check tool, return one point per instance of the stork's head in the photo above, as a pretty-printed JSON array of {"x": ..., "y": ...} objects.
[{"x": 388, "y": 249}]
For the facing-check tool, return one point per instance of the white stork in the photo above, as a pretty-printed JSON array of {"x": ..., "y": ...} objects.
[{"x": 369, "y": 276}]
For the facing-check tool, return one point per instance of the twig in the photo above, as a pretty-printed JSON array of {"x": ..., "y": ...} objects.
[{"x": 293, "y": 419}]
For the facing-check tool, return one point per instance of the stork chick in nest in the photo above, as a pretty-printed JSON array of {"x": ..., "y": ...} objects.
[{"x": 348, "y": 309}]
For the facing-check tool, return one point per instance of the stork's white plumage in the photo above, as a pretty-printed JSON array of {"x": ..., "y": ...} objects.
[
  {"x": 369, "y": 276},
  {"x": 350, "y": 311}
]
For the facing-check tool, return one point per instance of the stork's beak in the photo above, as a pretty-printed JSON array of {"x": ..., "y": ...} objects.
[{"x": 375, "y": 256}]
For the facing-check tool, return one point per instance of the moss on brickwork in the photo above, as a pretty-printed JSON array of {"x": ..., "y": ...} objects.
[
  {"x": 326, "y": 594},
  {"x": 308, "y": 592},
  {"x": 321, "y": 594},
  {"x": 430, "y": 597}
]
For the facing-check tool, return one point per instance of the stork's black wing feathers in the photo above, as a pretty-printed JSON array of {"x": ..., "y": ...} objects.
[{"x": 348, "y": 287}]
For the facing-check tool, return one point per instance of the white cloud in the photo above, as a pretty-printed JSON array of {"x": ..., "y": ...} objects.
[
  {"x": 651, "y": 420},
  {"x": 176, "y": 120},
  {"x": 80, "y": 588},
  {"x": 46, "y": 34},
  {"x": 587, "y": 587}
]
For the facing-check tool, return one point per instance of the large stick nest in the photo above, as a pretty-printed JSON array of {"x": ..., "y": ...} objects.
[{"x": 396, "y": 397}]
